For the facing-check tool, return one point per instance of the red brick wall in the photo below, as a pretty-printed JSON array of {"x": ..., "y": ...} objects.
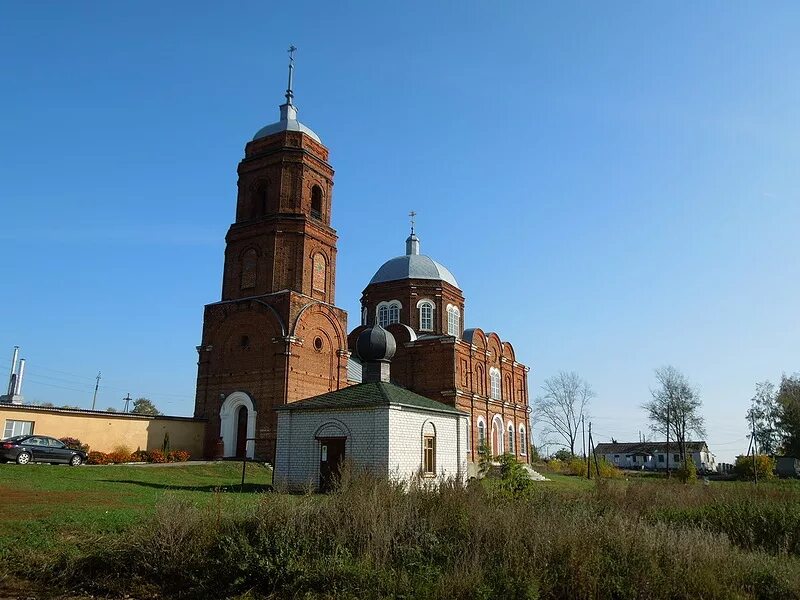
[{"x": 281, "y": 339}]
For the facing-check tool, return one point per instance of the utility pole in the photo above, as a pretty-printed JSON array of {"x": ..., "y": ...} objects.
[
  {"x": 127, "y": 401},
  {"x": 755, "y": 448},
  {"x": 583, "y": 427},
  {"x": 96, "y": 385},
  {"x": 668, "y": 473},
  {"x": 589, "y": 462}
]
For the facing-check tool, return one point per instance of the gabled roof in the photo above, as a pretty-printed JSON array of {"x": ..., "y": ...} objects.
[
  {"x": 647, "y": 447},
  {"x": 371, "y": 394}
]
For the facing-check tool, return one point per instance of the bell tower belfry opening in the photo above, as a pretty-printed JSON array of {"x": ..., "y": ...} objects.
[{"x": 275, "y": 334}]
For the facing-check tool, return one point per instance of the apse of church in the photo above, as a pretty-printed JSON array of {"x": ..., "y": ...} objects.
[{"x": 275, "y": 336}]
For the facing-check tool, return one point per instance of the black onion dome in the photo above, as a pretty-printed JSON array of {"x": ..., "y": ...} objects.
[{"x": 375, "y": 344}]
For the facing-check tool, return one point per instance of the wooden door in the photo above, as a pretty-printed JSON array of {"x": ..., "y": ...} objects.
[{"x": 331, "y": 452}]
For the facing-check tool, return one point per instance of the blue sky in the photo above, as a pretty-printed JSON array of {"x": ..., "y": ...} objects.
[{"x": 614, "y": 185}]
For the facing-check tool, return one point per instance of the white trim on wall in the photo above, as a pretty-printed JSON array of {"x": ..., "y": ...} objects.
[{"x": 228, "y": 423}]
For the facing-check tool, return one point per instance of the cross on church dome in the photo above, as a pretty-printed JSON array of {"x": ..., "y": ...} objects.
[{"x": 288, "y": 111}]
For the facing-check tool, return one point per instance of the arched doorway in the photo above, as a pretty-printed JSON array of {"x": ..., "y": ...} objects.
[
  {"x": 237, "y": 424},
  {"x": 241, "y": 431},
  {"x": 497, "y": 436}
]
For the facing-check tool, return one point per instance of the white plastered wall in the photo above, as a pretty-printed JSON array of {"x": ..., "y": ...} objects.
[
  {"x": 406, "y": 426},
  {"x": 298, "y": 449}
]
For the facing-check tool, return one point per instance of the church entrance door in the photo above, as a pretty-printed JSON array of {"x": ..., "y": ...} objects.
[
  {"x": 241, "y": 431},
  {"x": 330, "y": 461}
]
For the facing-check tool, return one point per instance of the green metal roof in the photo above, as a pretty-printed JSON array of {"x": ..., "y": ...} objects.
[{"x": 369, "y": 395}]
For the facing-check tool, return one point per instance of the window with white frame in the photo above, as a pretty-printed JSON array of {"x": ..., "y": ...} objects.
[
  {"x": 388, "y": 313},
  {"x": 453, "y": 321},
  {"x": 494, "y": 383},
  {"x": 523, "y": 441},
  {"x": 429, "y": 455},
  {"x": 511, "y": 438},
  {"x": 481, "y": 433},
  {"x": 425, "y": 315},
  {"x": 15, "y": 428}
]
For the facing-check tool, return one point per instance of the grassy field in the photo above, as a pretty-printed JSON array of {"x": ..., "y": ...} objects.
[
  {"x": 45, "y": 504},
  {"x": 188, "y": 532}
]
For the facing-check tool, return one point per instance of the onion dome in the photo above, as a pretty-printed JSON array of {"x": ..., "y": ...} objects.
[{"x": 375, "y": 344}]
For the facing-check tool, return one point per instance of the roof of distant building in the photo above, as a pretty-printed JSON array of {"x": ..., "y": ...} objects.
[{"x": 647, "y": 447}]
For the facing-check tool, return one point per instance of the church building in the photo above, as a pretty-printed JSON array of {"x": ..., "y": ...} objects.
[{"x": 276, "y": 337}]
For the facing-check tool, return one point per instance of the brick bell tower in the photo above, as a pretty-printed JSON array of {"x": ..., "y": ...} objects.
[{"x": 275, "y": 336}]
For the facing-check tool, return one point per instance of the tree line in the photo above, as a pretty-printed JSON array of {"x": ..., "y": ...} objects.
[{"x": 774, "y": 417}]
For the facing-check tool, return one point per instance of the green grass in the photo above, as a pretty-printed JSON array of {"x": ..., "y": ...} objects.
[
  {"x": 188, "y": 532},
  {"x": 46, "y": 504}
]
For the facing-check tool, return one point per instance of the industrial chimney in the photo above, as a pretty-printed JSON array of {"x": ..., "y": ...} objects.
[{"x": 14, "y": 395}]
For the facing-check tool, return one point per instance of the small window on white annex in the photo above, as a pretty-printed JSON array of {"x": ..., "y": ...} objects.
[
  {"x": 15, "y": 428},
  {"x": 453, "y": 321},
  {"x": 425, "y": 315},
  {"x": 494, "y": 383},
  {"x": 389, "y": 313}
]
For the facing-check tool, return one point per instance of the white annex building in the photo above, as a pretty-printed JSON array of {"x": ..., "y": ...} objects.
[{"x": 377, "y": 425}]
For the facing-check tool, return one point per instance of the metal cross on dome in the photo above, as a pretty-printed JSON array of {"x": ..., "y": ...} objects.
[
  {"x": 289, "y": 91},
  {"x": 412, "y": 214}
]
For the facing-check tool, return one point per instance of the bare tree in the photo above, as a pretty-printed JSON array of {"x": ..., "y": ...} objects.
[
  {"x": 675, "y": 405},
  {"x": 562, "y": 406}
]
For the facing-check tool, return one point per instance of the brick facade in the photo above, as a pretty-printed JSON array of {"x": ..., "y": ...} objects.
[
  {"x": 455, "y": 370},
  {"x": 276, "y": 334}
]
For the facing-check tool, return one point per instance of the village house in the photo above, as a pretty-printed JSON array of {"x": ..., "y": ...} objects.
[{"x": 656, "y": 456}]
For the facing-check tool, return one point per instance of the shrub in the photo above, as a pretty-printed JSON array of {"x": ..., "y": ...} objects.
[
  {"x": 687, "y": 472},
  {"x": 97, "y": 458},
  {"x": 156, "y": 456},
  {"x": 139, "y": 455},
  {"x": 178, "y": 456},
  {"x": 120, "y": 454},
  {"x": 765, "y": 467},
  {"x": 74, "y": 443}
]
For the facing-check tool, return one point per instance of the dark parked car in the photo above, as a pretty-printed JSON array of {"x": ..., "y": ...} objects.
[{"x": 39, "y": 448}]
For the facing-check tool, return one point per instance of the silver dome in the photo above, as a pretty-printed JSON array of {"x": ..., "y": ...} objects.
[
  {"x": 288, "y": 122},
  {"x": 287, "y": 125},
  {"x": 413, "y": 266}
]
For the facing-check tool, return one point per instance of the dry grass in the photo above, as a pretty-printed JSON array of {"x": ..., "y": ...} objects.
[{"x": 374, "y": 539}]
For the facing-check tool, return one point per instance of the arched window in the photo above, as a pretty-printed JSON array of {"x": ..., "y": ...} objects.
[
  {"x": 428, "y": 449},
  {"x": 511, "y": 438},
  {"x": 494, "y": 383},
  {"x": 249, "y": 264},
  {"x": 388, "y": 313},
  {"x": 258, "y": 200},
  {"x": 453, "y": 321},
  {"x": 480, "y": 381},
  {"x": 319, "y": 273},
  {"x": 481, "y": 434},
  {"x": 363, "y": 315},
  {"x": 523, "y": 440},
  {"x": 316, "y": 202},
  {"x": 509, "y": 394},
  {"x": 425, "y": 315}
]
